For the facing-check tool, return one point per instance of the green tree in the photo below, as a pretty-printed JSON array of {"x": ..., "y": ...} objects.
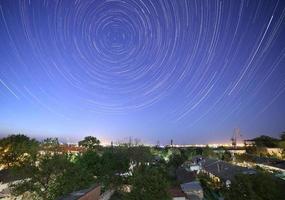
[
  {"x": 176, "y": 160},
  {"x": 52, "y": 176},
  {"x": 114, "y": 164},
  {"x": 148, "y": 183},
  {"x": 226, "y": 156},
  {"x": 208, "y": 152},
  {"x": 50, "y": 145},
  {"x": 265, "y": 141},
  {"x": 16, "y": 150},
  {"x": 90, "y": 143},
  {"x": 139, "y": 154},
  {"x": 257, "y": 150},
  {"x": 190, "y": 153},
  {"x": 260, "y": 186},
  {"x": 90, "y": 161}
]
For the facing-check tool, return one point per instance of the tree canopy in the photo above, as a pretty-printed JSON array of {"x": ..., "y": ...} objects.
[
  {"x": 52, "y": 176},
  {"x": 265, "y": 141},
  {"x": 89, "y": 142},
  {"x": 15, "y": 150},
  {"x": 261, "y": 186},
  {"x": 50, "y": 144},
  {"x": 148, "y": 183}
]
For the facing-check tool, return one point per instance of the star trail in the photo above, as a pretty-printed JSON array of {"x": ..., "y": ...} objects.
[{"x": 153, "y": 69}]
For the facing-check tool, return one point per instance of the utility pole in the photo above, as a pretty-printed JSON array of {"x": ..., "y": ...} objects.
[
  {"x": 235, "y": 137},
  {"x": 157, "y": 144}
]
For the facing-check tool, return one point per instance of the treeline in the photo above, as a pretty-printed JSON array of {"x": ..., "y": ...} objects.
[
  {"x": 264, "y": 142},
  {"x": 48, "y": 172},
  {"x": 270, "y": 142}
]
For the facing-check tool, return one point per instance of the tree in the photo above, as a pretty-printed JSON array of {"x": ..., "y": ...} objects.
[
  {"x": 190, "y": 153},
  {"x": 15, "y": 150},
  {"x": 50, "y": 145},
  {"x": 148, "y": 183},
  {"x": 261, "y": 186},
  {"x": 208, "y": 152},
  {"x": 90, "y": 161},
  {"x": 176, "y": 160},
  {"x": 265, "y": 141},
  {"x": 226, "y": 156},
  {"x": 114, "y": 164},
  {"x": 52, "y": 176},
  {"x": 89, "y": 142},
  {"x": 109, "y": 168},
  {"x": 139, "y": 154}
]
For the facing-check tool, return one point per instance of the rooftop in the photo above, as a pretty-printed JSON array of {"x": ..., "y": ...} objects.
[
  {"x": 184, "y": 176},
  {"x": 223, "y": 170},
  {"x": 77, "y": 194},
  {"x": 191, "y": 186},
  {"x": 176, "y": 192}
]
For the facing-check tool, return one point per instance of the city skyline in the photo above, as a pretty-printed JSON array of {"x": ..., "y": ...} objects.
[{"x": 190, "y": 71}]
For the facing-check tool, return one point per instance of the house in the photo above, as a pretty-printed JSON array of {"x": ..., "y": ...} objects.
[
  {"x": 184, "y": 176},
  {"x": 237, "y": 151},
  {"x": 222, "y": 171},
  {"x": 177, "y": 194},
  {"x": 275, "y": 151},
  {"x": 268, "y": 163},
  {"x": 91, "y": 193},
  {"x": 190, "y": 166},
  {"x": 249, "y": 143},
  {"x": 193, "y": 190},
  {"x": 272, "y": 164},
  {"x": 71, "y": 149}
]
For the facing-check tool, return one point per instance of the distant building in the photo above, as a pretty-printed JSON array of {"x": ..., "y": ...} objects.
[
  {"x": 64, "y": 148},
  {"x": 249, "y": 143},
  {"x": 275, "y": 152},
  {"x": 237, "y": 151},
  {"x": 193, "y": 190},
  {"x": 71, "y": 149}
]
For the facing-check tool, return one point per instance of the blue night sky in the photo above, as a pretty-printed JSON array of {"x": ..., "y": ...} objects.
[{"x": 151, "y": 69}]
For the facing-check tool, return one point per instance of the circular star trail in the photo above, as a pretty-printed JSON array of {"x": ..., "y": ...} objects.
[{"x": 180, "y": 60}]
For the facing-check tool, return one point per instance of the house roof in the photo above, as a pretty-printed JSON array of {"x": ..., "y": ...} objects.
[
  {"x": 274, "y": 162},
  {"x": 184, "y": 176},
  {"x": 176, "y": 192},
  {"x": 223, "y": 170},
  {"x": 191, "y": 186},
  {"x": 78, "y": 194},
  {"x": 279, "y": 164}
]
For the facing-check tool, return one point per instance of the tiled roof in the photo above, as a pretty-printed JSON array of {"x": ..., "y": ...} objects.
[
  {"x": 176, "y": 192},
  {"x": 223, "y": 170},
  {"x": 191, "y": 186},
  {"x": 77, "y": 194},
  {"x": 184, "y": 176}
]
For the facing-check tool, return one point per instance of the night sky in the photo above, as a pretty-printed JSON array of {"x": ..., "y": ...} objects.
[{"x": 185, "y": 70}]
